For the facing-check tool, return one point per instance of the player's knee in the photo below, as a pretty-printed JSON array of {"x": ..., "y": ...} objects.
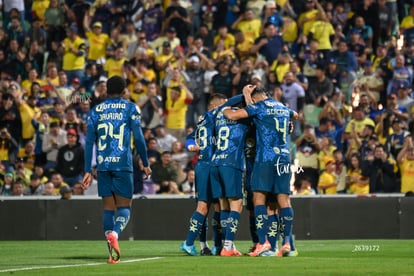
[{"x": 202, "y": 208}]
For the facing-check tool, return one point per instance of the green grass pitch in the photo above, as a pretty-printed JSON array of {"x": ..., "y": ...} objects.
[{"x": 333, "y": 257}]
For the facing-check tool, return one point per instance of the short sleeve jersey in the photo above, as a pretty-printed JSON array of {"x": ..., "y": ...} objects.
[
  {"x": 109, "y": 124},
  {"x": 230, "y": 137},
  {"x": 272, "y": 129}
]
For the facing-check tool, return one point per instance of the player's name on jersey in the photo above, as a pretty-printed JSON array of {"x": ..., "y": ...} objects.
[
  {"x": 111, "y": 116},
  {"x": 282, "y": 112},
  {"x": 103, "y": 106},
  {"x": 109, "y": 159},
  {"x": 225, "y": 122}
]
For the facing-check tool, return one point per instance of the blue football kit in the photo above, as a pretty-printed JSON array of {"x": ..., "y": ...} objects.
[
  {"x": 229, "y": 159},
  {"x": 271, "y": 172},
  {"x": 111, "y": 125}
]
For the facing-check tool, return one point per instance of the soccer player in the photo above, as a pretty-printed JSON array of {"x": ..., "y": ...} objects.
[
  {"x": 271, "y": 171},
  {"x": 227, "y": 176},
  {"x": 201, "y": 140},
  {"x": 110, "y": 124},
  {"x": 250, "y": 154}
]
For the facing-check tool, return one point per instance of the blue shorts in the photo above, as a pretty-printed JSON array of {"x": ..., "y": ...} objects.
[
  {"x": 202, "y": 182},
  {"x": 113, "y": 182},
  {"x": 267, "y": 178},
  {"x": 227, "y": 182}
]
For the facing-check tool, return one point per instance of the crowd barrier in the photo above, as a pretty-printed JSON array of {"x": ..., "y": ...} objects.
[{"x": 167, "y": 218}]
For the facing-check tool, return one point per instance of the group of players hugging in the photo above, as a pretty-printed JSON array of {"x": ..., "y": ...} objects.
[{"x": 243, "y": 152}]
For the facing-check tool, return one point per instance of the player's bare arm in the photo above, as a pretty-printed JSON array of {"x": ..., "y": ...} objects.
[
  {"x": 240, "y": 113},
  {"x": 87, "y": 180},
  {"x": 247, "y": 91},
  {"x": 235, "y": 114}
]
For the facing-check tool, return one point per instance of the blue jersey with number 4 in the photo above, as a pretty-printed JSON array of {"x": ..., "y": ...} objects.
[
  {"x": 272, "y": 129},
  {"x": 230, "y": 137},
  {"x": 110, "y": 125}
]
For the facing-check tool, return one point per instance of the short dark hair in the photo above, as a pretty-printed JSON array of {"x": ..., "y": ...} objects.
[
  {"x": 115, "y": 85},
  {"x": 381, "y": 146},
  {"x": 216, "y": 96},
  {"x": 259, "y": 90}
]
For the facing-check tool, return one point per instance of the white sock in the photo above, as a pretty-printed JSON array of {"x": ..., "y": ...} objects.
[
  {"x": 228, "y": 245},
  {"x": 204, "y": 245}
]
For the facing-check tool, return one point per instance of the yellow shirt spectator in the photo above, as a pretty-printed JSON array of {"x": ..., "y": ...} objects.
[
  {"x": 176, "y": 106},
  {"x": 322, "y": 156},
  {"x": 356, "y": 187},
  {"x": 307, "y": 18},
  {"x": 250, "y": 27},
  {"x": 39, "y": 7},
  {"x": 162, "y": 59},
  {"x": 280, "y": 69},
  {"x": 327, "y": 179},
  {"x": 27, "y": 113},
  {"x": 242, "y": 49},
  {"x": 289, "y": 29},
  {"x": 281, "y": 3},
  {"x": 228, "y": 40},
  {"x": 407, "y": 175},
  {"x": 322, "y": 31},
  {"x": 148, "y": 75},
  {"x": 407, "y": 22},
  {"x": 74, "y": 56},
  {"x": 115, "y": 67},
  {"x": 97, "y": 42},
  {"x": 358, "y": 126},
  {"x": 27, "y": 84}
]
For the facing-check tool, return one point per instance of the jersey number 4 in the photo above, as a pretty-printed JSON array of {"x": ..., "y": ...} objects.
[{"x": 284, "y": 128}]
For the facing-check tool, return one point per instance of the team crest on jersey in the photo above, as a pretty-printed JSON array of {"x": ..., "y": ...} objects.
[
  {"x": 135, "y": 117},
  {"x": 270, "y": 103},
  {"x": 100, "y": 159}
]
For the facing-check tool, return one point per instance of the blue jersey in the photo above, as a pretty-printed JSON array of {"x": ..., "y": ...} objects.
[
  {"x": 110, "y": 125},
  {"x": 272, "y": 129},
  {"x": 203, "y": 135},
  {"x": 230, "y": 138}
]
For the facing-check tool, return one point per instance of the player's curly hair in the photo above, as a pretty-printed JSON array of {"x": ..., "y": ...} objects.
[{"x": 115, "y": 85}]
